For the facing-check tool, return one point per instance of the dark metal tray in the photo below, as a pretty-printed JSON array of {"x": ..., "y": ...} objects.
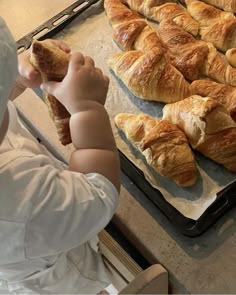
[
  {"x": 55, "y": 24},
  {"x": 226, "y": 198}
]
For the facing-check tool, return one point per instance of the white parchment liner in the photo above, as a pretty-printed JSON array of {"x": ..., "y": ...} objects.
[{"x": 92, "y": 35}]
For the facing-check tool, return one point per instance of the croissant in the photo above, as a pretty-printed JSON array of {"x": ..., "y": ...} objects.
[
  {"x": 52, "y": 63},
  {"x": 164, "y": 146},
  {"x": 166, "y": 11},
  {"x": 231, "y": 56},
  {"x": 208, "y": 127},
  {"x": 205, "y": 14},
  {"x": 193, "y": 58},
  {"x": 222, "y": 35},
  {"x": 223, "y": 93},
  {"x": 188, "y": 54},
  {"x": 217, "y": 68},
  {"x": 146, "y": 5},
  {"x": 130, "y": 31},
  {"x": 150, "y": 76},
  {"x": 216, "y": 26},
  {"x": 227, "y": 5}
]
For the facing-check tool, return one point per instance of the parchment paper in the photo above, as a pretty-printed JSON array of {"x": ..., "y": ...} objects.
[{"x": 91, "y": 34}]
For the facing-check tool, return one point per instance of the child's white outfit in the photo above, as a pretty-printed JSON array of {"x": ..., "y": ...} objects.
[{"x": 48, "y": 215}]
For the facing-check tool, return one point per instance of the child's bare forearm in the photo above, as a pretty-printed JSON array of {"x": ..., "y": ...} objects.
[
  {"x": 90, "y": 127},
  {"x": 104, "y": 162},
  {"x": 94, "y": 142}
]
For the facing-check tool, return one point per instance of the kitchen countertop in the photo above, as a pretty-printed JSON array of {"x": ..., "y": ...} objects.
[
  {"x": 25, "y": 15},
  {"x": 206, "y": 264}
]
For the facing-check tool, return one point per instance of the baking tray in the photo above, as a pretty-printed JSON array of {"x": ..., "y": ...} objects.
[
  {"x": 55, "y": 24},
  {"x": 225, "y": 199}
]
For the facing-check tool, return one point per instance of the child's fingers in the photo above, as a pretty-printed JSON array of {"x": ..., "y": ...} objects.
[
  {"x": 28, "y": 71},
  {"x": 65, "y": 47},
  {"x": 33, "y": 75},
  {"x": 107, "y": 80},
  {"x": 76, "y": 61},
  {"x": 99, "y": 71},
  {"x": 25, "y": 68},
  {"x": 89, "y": 61}
]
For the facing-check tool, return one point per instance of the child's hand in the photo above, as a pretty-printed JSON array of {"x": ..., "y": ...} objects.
[
  {"x": 83, "y": 82},
  {"x": 29, "y": 77}
]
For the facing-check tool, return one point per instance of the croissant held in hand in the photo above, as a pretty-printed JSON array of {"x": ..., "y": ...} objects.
[
  {"x": 208, "y": 127},
  {"x": 223, "y": 93},
  {"x": 150, "y": 76},
  {"x": 164, "y": 146},
  {"x": 52, "y": 62},
  {"x": 130, "y": 30}
]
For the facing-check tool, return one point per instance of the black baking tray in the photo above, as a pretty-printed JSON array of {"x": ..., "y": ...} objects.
[
  {"x": 55, "y": 24},
  {"x": 226, "y": 198}
]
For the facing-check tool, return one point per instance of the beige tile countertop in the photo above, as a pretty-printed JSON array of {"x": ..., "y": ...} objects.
[{"x": 206, "y": 264}]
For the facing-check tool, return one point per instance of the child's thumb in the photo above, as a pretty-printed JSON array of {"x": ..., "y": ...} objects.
[{"x": 49, "y": 87}]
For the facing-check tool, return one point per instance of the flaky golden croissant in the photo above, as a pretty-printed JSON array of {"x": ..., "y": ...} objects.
[
  {"x": 192, "y": 57},
  {"x": 231, "y": 56},
  {"x": 222, "y": 35},
  {"x": 205, "y": 14},
  {"x": 223, "y": 93},
  {"x": 164, "y": 146},
  {"x": 130, "y": 30},
  {"x": 166, "y": 11},
  {"x": 217, "y": 68},
  {"x": 227, "y": 5},
  {"x": 52, "y": 62},
  {"x": 216, "y": 26},
  {"x": 188, "y": 54},
  {"x": 208, "y": 127},
  {"x": 150, "y": 76},
  {"x": 144, "y": 6}
]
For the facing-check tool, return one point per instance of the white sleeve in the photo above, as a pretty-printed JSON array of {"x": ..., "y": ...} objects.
[{"x": 66, "y": 208}]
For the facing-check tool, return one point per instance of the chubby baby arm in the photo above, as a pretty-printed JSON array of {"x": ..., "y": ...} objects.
[
  {"x": 83, "y": 92},
  {"x": 95, "y": 146}
]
